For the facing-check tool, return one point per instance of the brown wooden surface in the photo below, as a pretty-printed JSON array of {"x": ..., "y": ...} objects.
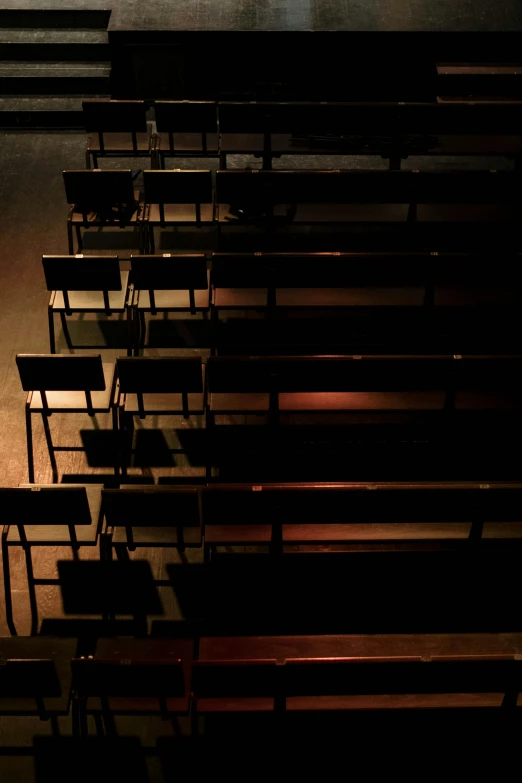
[
  {"x": 75, "y": 401},
  {"x": 59, "y": 535},
  {"x": 187, "y": 142},
  {"x": 378, "y": 645},
  {"x": 58, "y": 650},
  {"x": 93, "y": 300},
  {"x": 146, "y": 649}
]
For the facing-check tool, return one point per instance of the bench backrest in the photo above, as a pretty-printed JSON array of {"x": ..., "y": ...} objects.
[
  {"x": 94, "y": 189},
  {"x": 169, "y": 272},
  {"x": 157, "y": 375},
  {"x": 139, "y": 678},
  {"x": 358, "y": 186},
  {"x": 361, "y": 374},
  {"x": 336, "y": 270},
  {"x": 52, "y": 372},
  {"x": 82, "y": 273},
  {"x": 409, "y": 675},
  {"x": 110, "y": 116},
  {"x": 178, "y": 187},
  {"x": 369, "y": 119},
  {"x": 234, "y": 679},
  {"x": 278, "y": 504},
  {"x": 151, "y": 507},
  {"x": 28, "y": 678},
  {"x": 60, "y": 505},
  {"x": 186, "y": 116}
]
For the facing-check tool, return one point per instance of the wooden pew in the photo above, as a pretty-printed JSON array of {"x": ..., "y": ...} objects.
[
  {"x": 488, "y": 82},
  {"x": 185, "y": 129},
  {"x": 132, "y": 677},
  {"x": 362, "y": 516},
  {"x": 151, "y": 516},
  {"x": 391, "y": 130},
  {"x": 289, "y": 281},
  {"x": 365, "y": 302},
  {"x": 340, "y": 384},
  {"x": 99, "y": 198},
  {"x": 119, "y": 130},
  {"x": 339, "y": 673},
  {"x": 272, "y": 199},
  {"x": 46, "y": 515},
  {"x": 373, "y": 402},
  {"x": 35, "y": 676}
]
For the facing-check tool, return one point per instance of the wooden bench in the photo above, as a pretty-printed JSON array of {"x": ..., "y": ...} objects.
[
  {"x": 157, "y": 386},
  {"x": 46, "y": 515},
  {"x": 278, "y": 282},
  {"x": 35, "y": 677},
  {"x": 119, "y": 128},
  {"x": 480, "y": 81},
  {"x": 65, "y": 384},
  {"x": 101, "y": 198},
  {"x": 366, "y": 197},
  {"x": 132, "y": 677},
  {"x": 439, "y": 385},
  {"x": 372, "y": 401},
  {"x": 286, "y": 674},
  {"x": 167, "y": 284},
  {"x": 361, "y": 516},
  {"x": 437, "y": 302},
  {"x": 81, "y": 284},
  {"x": 176, "y": 198},
  {"x": 391, "y": 130},
  {"x": 186, "y": 129},
  {"x": 153, "y": 516}
]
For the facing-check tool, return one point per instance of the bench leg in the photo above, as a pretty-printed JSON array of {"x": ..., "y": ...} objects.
[
  {"x": 65, "y": 330},
  {"x": 136, "y": 334},
  {"x": 130, "y": 331},
  {"x": 7, "y": 584},
  {"x": 142, "y": 329},
  {"x": 70, "y": 243},
  {"x": 79, "y": 239},
  {"x": 32, "y": 591},
  {"x": 151, "y": 242},
  {"x": 29, "y": 433},
  {"x": 50, "y": 447},
  {"x": 122, "y": 439},
  {"x": 116, "y": 441},
  {"x": 52, "y": 340},
  {"x": 209, "y": 432}
]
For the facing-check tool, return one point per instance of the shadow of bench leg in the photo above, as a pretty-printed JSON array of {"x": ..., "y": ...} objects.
[
  {"x": 52, "y": 340},
  {"x": 7, "y": 584},
  {"x": 65, "y": 330},
  {"x": 29, "y": 433},
  {"x": 32, "y": 592},
  {"x": 116, "y": 438},
  {"x": 50, "y": 447}
]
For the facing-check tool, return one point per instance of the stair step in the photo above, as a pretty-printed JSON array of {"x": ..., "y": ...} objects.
[
  {"x": 54, "y": 78},
  {"x": 59, "y": 45},
  {"x": 35, "y": 111},
  {"x": 45, "y": 18},
  {"x": 66, "y": 70},
  {"x": 63, "y": 35}
]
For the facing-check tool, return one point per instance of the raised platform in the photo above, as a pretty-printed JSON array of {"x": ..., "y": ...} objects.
[
  {"x": 298, "y": 15},
  {"x": 301, "y": 49}
]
